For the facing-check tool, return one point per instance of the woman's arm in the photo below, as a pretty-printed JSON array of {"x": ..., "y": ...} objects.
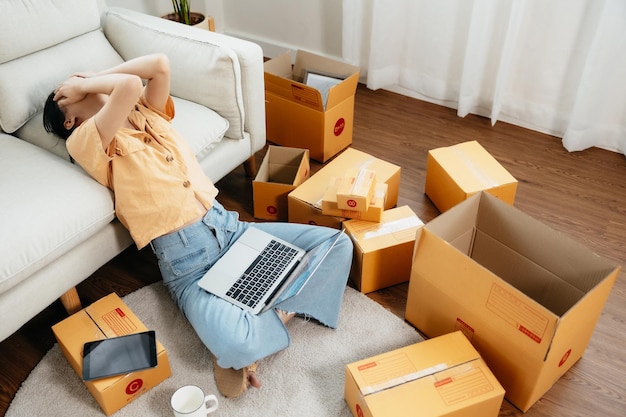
[{"x": 155, "y": 69}]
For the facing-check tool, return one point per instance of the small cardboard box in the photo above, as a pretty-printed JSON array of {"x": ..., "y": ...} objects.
[
  {"x": 443, "y": 376},
  {"x": 109, "y": 317},
  {"x": 356, "y": 189},
  {"x": 281, "y": 171},
  {"x": 383, "y": 252},
  {"x": 526, "y": 296},
  {"x": 300, "y": 115},
  {"x": 305, "y": 202},
  {"x": 373, "y": 214},
  {"x": 457, "y": 172}
]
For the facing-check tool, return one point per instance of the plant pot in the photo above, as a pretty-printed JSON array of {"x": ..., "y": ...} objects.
[{"x": 197, "y": 19}]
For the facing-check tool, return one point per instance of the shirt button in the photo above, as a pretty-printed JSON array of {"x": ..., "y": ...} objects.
[
  {"x": 147, "y": 140},
  {"x": 186, "y": 184},
  {"x": 169, "y": 158}
]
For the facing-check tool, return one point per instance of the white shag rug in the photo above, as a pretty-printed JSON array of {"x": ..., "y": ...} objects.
[{"x": 306, "y": 379}]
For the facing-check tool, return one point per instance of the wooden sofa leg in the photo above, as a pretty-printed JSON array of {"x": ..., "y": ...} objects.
[
  {"x": 249, "y": 166},
  {"x": 71, "y": 301}
]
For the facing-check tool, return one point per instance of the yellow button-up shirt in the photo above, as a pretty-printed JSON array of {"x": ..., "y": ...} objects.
[{"x": 153, "y": 173}]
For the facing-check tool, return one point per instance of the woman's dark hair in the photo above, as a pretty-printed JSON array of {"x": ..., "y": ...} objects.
[{"x": 53, "y": 118}]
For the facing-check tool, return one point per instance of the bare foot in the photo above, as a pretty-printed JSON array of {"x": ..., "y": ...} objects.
[
  {"x": 254, "y": 380},
  {"x": 285, "y": 316}
]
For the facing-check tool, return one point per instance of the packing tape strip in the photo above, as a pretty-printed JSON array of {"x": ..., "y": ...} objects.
[{"x": 476, "y": 170}]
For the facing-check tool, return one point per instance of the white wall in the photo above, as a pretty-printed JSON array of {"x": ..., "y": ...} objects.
[{"x": 276, "y": 25}]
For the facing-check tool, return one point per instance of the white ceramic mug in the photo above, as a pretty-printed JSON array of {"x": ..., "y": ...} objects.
[{"x": 190, "y": 401}]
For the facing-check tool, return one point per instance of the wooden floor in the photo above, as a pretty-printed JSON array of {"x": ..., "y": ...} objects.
[{"x": 582, "y": 194}]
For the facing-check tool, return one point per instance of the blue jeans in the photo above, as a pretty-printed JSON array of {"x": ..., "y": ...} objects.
[{"x": 238, "y": 338}]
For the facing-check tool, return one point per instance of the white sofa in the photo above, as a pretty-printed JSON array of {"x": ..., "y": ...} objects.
[{"x": 57, "y": 225}]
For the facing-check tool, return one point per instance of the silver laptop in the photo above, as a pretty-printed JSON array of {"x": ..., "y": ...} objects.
[{"x": 260, "y": 270}]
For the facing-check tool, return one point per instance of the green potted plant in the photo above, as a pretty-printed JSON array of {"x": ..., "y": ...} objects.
[{"x": 183, "y": 14}]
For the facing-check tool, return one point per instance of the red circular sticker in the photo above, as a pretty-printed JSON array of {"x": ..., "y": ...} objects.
[
  {"x": 565, "y": 357},
  {"x": 134, "y": 386},
  {"x": 359, "y": 411},
  {"x": 272, "y": 210},
  {"x": 339, "y": 126},
  {"x": 351, "y": 203}
]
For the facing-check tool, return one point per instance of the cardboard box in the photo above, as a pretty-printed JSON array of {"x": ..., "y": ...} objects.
[
  {"x": 300, "y": 115},
  {"x": 375, "y": 210},
  {"x": 383, "y": 252},
  {"x": 305, "y": 202},
  {"x": 526, "y": 296},
  {"x": 457, "y": 172},
  {"x": 356, "y": 190},
  {"x": 281, "y": 171},
  {"x": 109, "y": 317},
  {"x": 444, "y": 376}
]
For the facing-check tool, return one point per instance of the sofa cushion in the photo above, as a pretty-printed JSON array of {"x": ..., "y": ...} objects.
[
  {"x": 30, "y": 79},
  {"x": 214, "y": 69},
  {"x": 200, "y": 126},
  {"x": 65, "y": 38},
  {"x": 49, "y": 21},
  {"x": 49, "y": 206}
]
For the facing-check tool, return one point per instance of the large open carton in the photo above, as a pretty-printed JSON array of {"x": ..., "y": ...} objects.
[
  {"x": 281, "y": 171},
  {"x": 299, "y": 115},
  {"x": 109, "y": 317},
  {"x": 526, "y": 296},
  {"x": 443, "y": 376},
  {"x": 383, "y": 252},
  {"x": 454, "y": 173},
  {"x": 305, "y": 202}
]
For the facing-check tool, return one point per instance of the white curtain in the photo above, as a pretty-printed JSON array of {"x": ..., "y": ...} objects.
[{"x": 556, "y": 66}]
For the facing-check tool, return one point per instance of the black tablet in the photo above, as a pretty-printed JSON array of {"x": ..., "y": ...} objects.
[{"x": 119, "y": 355}]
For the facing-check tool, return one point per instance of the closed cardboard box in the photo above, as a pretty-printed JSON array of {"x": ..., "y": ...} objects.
[
  {"x": 526, "y": 296},
  {"x": 305, "y": 202},
  {"x": 281, "y": 171},
  {"x": 376, "y": 206},
  {"x": 300, "y": 115},
  {"x": 109, "y": 317},
  {"x": 443, "y": 376},
  {"x": 356, "y": 189},
  {"x": 457, "y": 172},
  {"x": 383, "y": 252}
]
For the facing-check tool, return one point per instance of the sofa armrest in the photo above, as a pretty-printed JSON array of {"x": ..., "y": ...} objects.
[{"x": 219, "y": 71}]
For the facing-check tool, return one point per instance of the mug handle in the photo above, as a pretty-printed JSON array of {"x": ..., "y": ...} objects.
[{"x": 213, "y": 398}]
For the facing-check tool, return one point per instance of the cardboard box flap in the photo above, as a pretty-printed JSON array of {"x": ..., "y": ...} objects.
[
  {"x": 472, "y": 167},
  {"x": 410, "y": 363},
  {"x": 338, "y": 93},
  {"x": 497, "y": 236},
  {"x": 574, "y": 270},
  {"x": 279, "y": 66},
  {"x": 286, "y": 81},
  {"x": 511, "y": 314}
]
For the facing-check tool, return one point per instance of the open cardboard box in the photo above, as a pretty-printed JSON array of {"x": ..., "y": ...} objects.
[
  {"x": 301, "y": 116},
  {"x": 454, "y": 173},
  {"x": 443, "y": 376},
  {"x": 109, "y": 317},
  {"x": 281, "y": 171},
  {"x": 525, "y": 295},
  {"x": 305, "y": 202}
]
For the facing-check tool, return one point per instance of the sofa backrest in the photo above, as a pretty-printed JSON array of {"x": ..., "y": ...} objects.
[{"x": 42, "y": 43}]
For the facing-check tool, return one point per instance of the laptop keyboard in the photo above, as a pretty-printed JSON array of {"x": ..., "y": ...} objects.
[{"x": 257, "y": 280}]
